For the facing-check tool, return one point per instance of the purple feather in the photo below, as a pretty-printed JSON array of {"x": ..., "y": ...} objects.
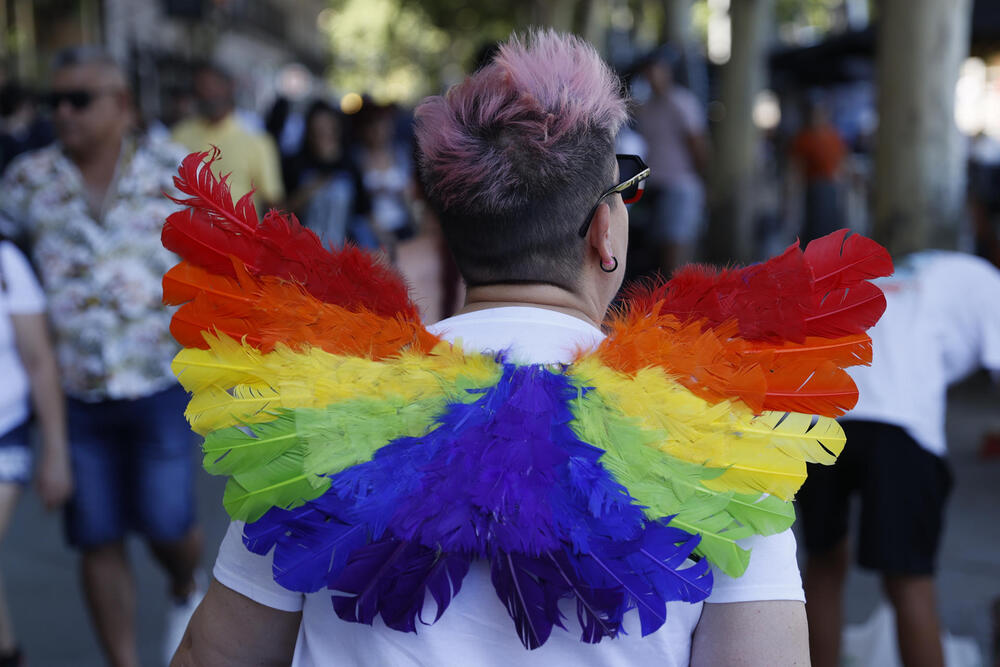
[
  {"x": 528, "y": 589},
  {"x": 502, "y": 478}
]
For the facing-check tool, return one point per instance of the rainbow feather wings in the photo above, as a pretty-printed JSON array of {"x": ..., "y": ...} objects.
[{"x": 377, "y": 461}]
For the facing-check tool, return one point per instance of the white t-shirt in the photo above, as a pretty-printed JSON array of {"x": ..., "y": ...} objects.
[
  {"x": 665, "y": 124},
  {"x": 20, "y": 295},
  {"x": 941, "y": 322},
  {"x": 476, "y": 629}
]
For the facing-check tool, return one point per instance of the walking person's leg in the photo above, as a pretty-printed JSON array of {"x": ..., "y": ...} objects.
[
  {"x": 823, "y": 582},
  {"x": 900, "y": 535},
  {"x": 918, "y": 629},
  {"x": 162, "y": 470},
  {"x": 9, "y": 651},
  {"x": 96, "y": 525},
  {"x": 109, "y": 589},
  {"x": 15, "y": 472},
  {"x": 822, "y": 505}
]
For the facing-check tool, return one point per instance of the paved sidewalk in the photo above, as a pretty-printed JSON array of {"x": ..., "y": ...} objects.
[{"x": 47, "y": 605}]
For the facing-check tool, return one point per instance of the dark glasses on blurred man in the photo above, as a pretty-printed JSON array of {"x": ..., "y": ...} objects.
[
  {"x": 633, "y": 172},
  {"x": 78, "y": 99}
]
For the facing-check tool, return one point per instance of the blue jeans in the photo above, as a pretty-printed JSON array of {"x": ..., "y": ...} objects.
[{"x": 133, "y": 467}]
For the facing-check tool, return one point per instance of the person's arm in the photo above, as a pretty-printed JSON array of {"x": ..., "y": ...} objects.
[
  {"x": 231, "y": 629},
  {"x": 698, "y": 147},
  {"x": 767, "y": 633},
  {"x": 54, "y": 478}
]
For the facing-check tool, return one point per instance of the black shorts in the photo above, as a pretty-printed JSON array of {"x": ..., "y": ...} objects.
[{"x": 903, "y": 489}]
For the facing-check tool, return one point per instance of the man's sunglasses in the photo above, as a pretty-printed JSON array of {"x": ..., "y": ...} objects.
[
  {"x": 78, "y": 99},
  {"x": 633, "y": 172}
]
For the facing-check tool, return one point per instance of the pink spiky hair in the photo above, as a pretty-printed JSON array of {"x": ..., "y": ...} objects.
[{"x": 536, "y": 93}]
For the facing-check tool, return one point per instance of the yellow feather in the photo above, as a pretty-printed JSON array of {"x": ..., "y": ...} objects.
[
  {"x": 235, "y": 384},
  {"x": 760, "y": 453}
]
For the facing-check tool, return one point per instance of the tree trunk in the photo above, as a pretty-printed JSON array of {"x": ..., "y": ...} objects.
[
  {"x": 919, "y": 162},
  {"x": 556, "y": 14},
  {"x": 677, "y": 22},
  {"x": 730, "y": 231},
  {"x": 592, "y": 23}
]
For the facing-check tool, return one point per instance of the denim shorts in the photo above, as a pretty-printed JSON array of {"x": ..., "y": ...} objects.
[
  {"x": 133, "y": 467},
  {"x": 15, "y": 455}
]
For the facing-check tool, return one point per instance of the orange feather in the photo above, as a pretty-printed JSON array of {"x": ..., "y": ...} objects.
[
  {"x": 267, "y": 310},
  {"x": 715, "y": 364}
]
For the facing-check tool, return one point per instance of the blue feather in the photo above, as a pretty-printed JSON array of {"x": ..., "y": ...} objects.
[{"x": 505, "y": 478}]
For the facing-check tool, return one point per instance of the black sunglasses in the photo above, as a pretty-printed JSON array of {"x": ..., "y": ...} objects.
[
  {"x": 78, "y": 99},
  {"x": 633, "y": 172}
]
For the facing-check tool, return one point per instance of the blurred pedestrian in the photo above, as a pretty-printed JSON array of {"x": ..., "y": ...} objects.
[
  {"x": 818, "y": 153},
  {"x": 22, "y": 127},
  {"x": 249, "y": 156},
  {"x": 28, "y": 363},
  {"x": 942, "y": 322},
  {"x": 672, "y": 123},
  {"x": 324, "y": 185},
  {"x": 92, "y": 206},
  {"x": 387, "y": 172}
]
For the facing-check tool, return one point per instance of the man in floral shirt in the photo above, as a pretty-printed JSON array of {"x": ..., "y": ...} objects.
[{"x": 91, "y": 207}]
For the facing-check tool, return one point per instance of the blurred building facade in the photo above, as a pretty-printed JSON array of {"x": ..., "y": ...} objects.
[{"x": 159, "y": 40}]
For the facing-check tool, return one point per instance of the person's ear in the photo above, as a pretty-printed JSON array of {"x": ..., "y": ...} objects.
[{"x": 599, "y": 234}]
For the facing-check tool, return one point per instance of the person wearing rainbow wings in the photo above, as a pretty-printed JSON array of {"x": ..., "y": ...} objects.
[{"x": 536, "y": 480}]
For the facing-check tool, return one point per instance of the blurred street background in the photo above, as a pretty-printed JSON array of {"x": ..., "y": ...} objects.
[{"x": 793, "y": 118}]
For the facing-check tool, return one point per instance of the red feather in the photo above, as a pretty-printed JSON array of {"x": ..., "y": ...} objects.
[
  {"x": 187, "y": 234},
  {"x": 213, "y": 229},
  {"x": 775, "y": 335},
  {"x": 779, "y": 300},
  {"x": 265, "y": 311},
  {"x": 768, "y": 301},
  {"x": 842, "y": 258},
  {"x": 846, "y": 310}
]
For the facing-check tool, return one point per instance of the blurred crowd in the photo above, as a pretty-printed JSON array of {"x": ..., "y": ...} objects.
[{"x": 82, "y": 204}]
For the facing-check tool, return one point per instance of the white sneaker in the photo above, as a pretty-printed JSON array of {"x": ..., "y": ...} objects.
[{"x": 178, "y": 616}]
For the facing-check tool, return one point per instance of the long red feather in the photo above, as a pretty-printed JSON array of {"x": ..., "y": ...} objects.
[{"x": 213, "y": 228}]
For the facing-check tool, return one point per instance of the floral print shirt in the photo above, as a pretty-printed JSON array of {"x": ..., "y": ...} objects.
[{"x": 101, "y": 273}]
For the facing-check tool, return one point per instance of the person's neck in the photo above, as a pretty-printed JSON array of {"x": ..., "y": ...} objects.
[
  {"x": 218, "y": 119},
  {"x": 534, "y": 295},
  {"x": 97, "y": 170},
  {"x": 99, "y": 160}
]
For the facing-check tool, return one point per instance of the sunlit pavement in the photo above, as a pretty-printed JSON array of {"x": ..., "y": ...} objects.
[{"x": 47, "y": 604}]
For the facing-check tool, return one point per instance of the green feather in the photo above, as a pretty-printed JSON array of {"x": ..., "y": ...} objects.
[
  {"x": 666, "y": 486},
  {"x": 287, "y": 461}
]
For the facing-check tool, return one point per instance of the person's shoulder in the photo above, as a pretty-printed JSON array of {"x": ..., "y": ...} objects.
[
  {"x": 684, "y": 96},
  {"x": 954, "y": 282},
  {"x": 152, "y": 169},
  {"x": 10, "y": 249},
  {"x": 33, "y": 164},
  {"x": 162, "y": 148},
  {"x": 952, "y": 265},
  {"x": 184, "y": 127}
]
